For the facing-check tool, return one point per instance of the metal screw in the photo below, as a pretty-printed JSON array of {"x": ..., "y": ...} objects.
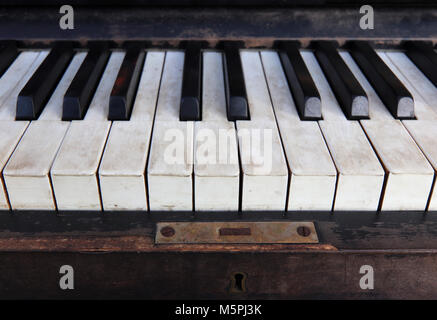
[
  {"x": 167, "y": 232},
  {"x": 303, "y": 231}
]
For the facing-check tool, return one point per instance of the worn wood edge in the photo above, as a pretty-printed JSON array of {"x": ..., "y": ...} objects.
[
  {"x": 145, "y": 244},
  {"x": 137, "y": 243},
  {"x": 213, "y": 24}
]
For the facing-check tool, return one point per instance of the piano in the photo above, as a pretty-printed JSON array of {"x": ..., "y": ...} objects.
[{"x": 218, "y": 149}]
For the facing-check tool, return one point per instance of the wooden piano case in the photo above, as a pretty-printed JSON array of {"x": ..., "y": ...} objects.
[{"x": 115, "y": 255}]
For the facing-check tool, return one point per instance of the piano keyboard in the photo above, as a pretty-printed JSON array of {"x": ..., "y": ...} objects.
[{"x": 289, "y": 129}]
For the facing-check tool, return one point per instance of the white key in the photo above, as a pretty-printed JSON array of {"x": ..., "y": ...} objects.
[
  {"x": 422, "y": 108},
  {"x": 170, "y": 165},
  {"x": 11, "y": 131},
  {"x": 122, "y": 170},
  {"x": 10, "y": 134},
  {"x": 9, "y": 105},
  {"x": 423, "y": 130},
  {"x": 360, "y": 175},
  {"x": 424, "y": 133},
  {"x": 27, "y": 172},
  {"x": 415, "y": 81},
  {"x": 409, "y": 175},
  {"x": 16, "y": 72},
  {"x": 52, "y": 111},
  {"x": 377, "y": 110},
  {"x": 313, "y": 173},
  {"x": 99, "y": 107},
  {"x": 265, "y": 172},
  {"x": 148, "y": 89},
  {"x": 331, "y": 110},
  {"x": 216, "y": 165},
  {"x": 74, "y": 171}
]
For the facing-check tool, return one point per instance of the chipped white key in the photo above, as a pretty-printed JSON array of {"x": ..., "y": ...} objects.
[
  {"x": 170, "y": 165},
  {"x": 216, "y": 165},
  {"x": 409, "y": 176},
  {"x": 122, "y": 170},
  {"x": 74, "y": 171},
  {"x": 313, "y": 174},
  {"x": 360, "y": 175},
  {"x": 265, "y": 172},
  {"x": 27, "y": 172}
]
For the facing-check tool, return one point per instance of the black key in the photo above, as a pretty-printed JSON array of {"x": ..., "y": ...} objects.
[
  {"x": 390, "y": 90},
  {"x": 191, "y": 109},
  {"x": 424, "y": 57},
  {"x": 39, "y": 88},
  {"x": 8, "y": 53},
  {"x": 237, "y": 107},
  {"x": 126, "y": 84},
  {"x": 348, "y": 91},
  {"x": 305, "y": 93},
  {"x": 82, "y": 88}
]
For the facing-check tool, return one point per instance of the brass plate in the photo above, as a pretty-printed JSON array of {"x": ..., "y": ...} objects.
[{"x": 236, "y": 232}]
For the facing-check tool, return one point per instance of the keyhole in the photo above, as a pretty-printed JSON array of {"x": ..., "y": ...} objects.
[{"x": 238, "y": 282}]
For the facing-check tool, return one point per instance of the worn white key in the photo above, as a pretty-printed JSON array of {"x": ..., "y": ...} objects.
[
  {"x": 423, "y": 109},
  {"x": 10, "y": 134},
  {"x": 424, "y": 133},
  {"x": 16, "y": 72},
  {"x": 331, "y": 110},
  {"x": 264, "y": 168},
  {"x": 360, "y": 175},
  {"x": 170, "y": 165},
  {"x": 415, "y": 81},
  {"x": 52, "y": 111},
  {"x": 122, "y": 170},
  {"x": 408, "y": 174},
  {"x": 148, "y": 89},
  {"x": 377, "y": 110},
  {"x": 27, "y": 172},
  {"x": 9, "y": 105},
  {"x": 313, "y": 173},
  {"x": 74, "y": 171},
  {"x": 216, "y": 165},
  {"x": 121, "y": 173},
  {"x": 11, "y": 131},
  {"x": 424, "y": 129}
]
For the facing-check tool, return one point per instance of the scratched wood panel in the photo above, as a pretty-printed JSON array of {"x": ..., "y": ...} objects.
[{"x": 173, "y": 275}]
